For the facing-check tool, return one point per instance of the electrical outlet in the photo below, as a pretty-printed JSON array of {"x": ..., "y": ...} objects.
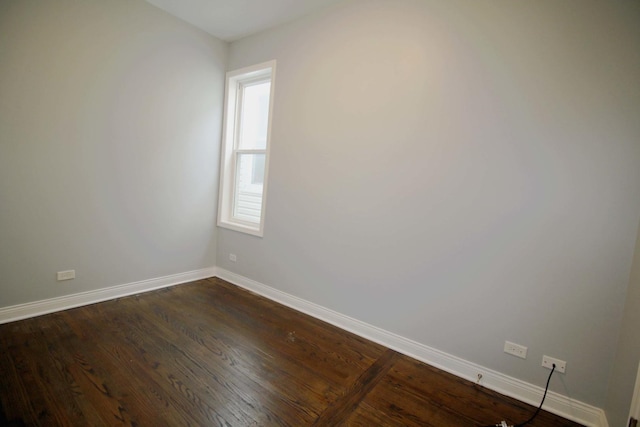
[
  {"x": 233, "y": 257},
  {"x": 548, "y": 363},
  {"x": 515, "y": 349},
  {"x": 66, "y": 275}
]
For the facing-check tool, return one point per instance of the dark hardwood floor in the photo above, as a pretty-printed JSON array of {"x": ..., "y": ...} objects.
[{"x": 209, "y": 353}]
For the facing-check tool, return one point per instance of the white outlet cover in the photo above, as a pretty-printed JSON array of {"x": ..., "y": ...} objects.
[
  {"x": 66, "y": 275},
  {"x": 548, "y": 363},
  {"x": 515, "y": 349}
]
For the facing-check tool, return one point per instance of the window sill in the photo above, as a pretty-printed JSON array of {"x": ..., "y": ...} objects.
[{"x": 242, "y": 228}]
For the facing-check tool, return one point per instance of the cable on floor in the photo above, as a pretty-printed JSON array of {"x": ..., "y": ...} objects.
[{"x": 504, "y": 423}]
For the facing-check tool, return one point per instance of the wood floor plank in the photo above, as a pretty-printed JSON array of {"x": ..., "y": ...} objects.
[
  {"x": 278, "y": 321},
  {"x": 162, "y": 331},
  {"x": 288, "y": 351},
  {"x": 96, "y": 353},
  {"x": 244, "y": 369},
  {"x": 175, "y": 375},
  {"x": 300, "y": 380},
  {"x": 16, "y": 406},
  {"x": 52, "y": 392},
  {"x": 210, "y": 353}
]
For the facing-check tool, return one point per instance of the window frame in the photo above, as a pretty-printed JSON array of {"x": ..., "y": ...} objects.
[{"x": 236, "y": 81}]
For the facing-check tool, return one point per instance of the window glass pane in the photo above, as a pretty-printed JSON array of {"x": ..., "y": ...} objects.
[
  {"x": 249, "y": 184},
  {"x": 254, "y": 118},
  {"x": 257, "y": 174}
]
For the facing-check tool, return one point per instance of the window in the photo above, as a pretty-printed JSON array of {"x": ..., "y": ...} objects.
[{"x": 245, "y": 148}]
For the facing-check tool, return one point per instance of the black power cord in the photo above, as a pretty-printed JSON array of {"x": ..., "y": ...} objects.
[{"x": 537, "y": 410}]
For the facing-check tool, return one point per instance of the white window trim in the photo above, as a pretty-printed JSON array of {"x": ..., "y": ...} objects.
[{"x": 227, "y": 158}]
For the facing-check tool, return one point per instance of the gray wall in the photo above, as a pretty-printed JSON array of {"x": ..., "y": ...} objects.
[
  {"x": 110, "y": 116},
  {"x": 460, "y": 173},
  {"x": 625, "y": 368}
]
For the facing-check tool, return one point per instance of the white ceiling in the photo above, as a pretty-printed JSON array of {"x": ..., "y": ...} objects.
[{"x": 233, "y": 19}]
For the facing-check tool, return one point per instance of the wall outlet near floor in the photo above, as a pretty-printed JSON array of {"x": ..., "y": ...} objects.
[
  {"x": 233, "y": 257},
  {"x": 66, "y": 275},
  {"x": 515, "y": 349},
  {"x": 548, "y": 362}
]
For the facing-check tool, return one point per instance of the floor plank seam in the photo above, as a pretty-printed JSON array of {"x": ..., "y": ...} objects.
[{"x": 342, "y": 407}]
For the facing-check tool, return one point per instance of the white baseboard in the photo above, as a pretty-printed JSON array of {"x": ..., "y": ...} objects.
[
  {"x": 37, "y": 308},
  {"x": 556, "y": 403}
]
